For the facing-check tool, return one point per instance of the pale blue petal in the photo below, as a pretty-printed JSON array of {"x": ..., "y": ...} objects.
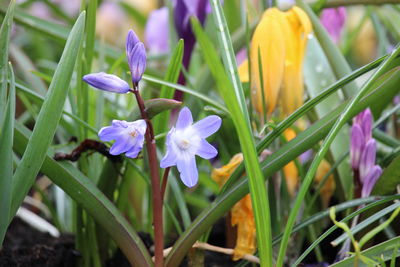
[
  {"x": 207, "y": 126},
  {"x": 168, "y": 160},
  {"x": 121, "y": 145},
  {"x": 188, "y": 170},
  {"x": 109, "y": 133},
  {"x": 134, "y": 151},
  {"x": 206, "y": 151},
  {"x": 185, "y": 118}
]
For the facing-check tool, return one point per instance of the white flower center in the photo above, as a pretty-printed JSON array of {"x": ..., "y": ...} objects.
[
  {"x": 134, "y": 133},
  {"x": 183, "y": 144}
]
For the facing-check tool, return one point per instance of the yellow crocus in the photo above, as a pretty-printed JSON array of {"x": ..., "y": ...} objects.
[
  {"x": 279, "y": 40},
  {"x": 290, "y": 170},
  {"x": 241, "y": 213}
]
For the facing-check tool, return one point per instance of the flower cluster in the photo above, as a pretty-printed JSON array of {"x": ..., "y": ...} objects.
[
  {"x": 184, "y": 141},
  {"x": 363, "y": 152}
]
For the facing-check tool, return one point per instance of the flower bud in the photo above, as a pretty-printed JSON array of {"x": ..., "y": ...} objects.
[
  {"x": 367, "y": 161},
  {"x": 357, "y": 143},
  {"x": 136, "y": 54},
  {"x": 107, "y": 82},
  {"x": 370, "y": 180}
]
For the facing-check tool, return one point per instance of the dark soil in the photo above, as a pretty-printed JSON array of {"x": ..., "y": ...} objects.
[{"x": 24, "y": 246}]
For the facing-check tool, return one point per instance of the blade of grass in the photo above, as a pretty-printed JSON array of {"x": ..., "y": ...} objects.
[
  {"x": 6, "y": 158},
  {"x": 345, "y": 116},
  {"x": 4, "y": 46},
  {"x": 48, "y": 119},
  {"x": 84, "y": 191},
  {"x": 230, "y": 88}
]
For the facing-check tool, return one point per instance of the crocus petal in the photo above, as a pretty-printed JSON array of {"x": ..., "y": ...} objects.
[
  {"x": 366, "y": 124},
  {"x": 333, "y": 20},
  {"x": 188, "y": 170},
  {"x": 107, "y": 82},
  {"x": 206, "y": 151},
  {"x": 367, "y": 159},
  {"x": 370, "y": 180},
  {"x": 207, "y": 126},
  {"x": 356, "y": 147},
  {"x": 157, "y": 31},
  {"x": 185, "y": 118}
]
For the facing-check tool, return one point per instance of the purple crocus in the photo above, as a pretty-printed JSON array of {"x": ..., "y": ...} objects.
[
  {"x": 136, "y": 54},
  {"x": 156, "y": 33},
  {"x": 107, "y": 82},
  {"x": 128, "y": 136},
  {"x": 333, "y": 20},
  {"x": 186, "y": 140},
  {"x": 363, "y": 153}
]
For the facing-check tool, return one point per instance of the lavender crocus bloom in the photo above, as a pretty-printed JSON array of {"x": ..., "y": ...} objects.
[
  {"x": 136, "y": 54},
  {"x": 156, "y": 33},
  {"x": 186, "y": 140},
  {"x": 128, "y": 136},
  {"x": 333, "y": 20},
  {"x": 107, "y": 82},
  {"x": 363, "y": 152}
]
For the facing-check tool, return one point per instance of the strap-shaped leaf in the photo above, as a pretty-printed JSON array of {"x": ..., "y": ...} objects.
[
  {"x": 48, "y": 118},
  {"x": 6, "y": 158}
]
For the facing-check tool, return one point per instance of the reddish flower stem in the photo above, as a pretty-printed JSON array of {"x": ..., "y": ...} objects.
[{"x": 155, "y": 183}]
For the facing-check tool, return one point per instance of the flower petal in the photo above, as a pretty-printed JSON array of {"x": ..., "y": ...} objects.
[
  {"x": 367, "y": 160},
  {"x": 136, "y": 148},
  {"x": 206, "y": 151},
  {"x": 357, "y": 142},
  {"x": 207, "y": 126},
  {"x": 370, "y": 180},
  {"x": 109, "y": 133},
  {"x": 107, "y": 82},
  {"x": 188, "y": 170},
  {"x": 120, "y": 145},
  {"x": 168, "y": 160},
  {"x": 185, "y": 119}
]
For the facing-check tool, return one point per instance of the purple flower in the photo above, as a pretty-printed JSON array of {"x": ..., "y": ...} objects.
[
  {"x": 128, "y": 136},
  {"x": 107, "y": 82},
  {"x": 363, "y": 152},
  {"x": 370, "y": 180},
  {"x": 183, "y": 10},
  {"x": 156, "y": 33},
  {"x": 136, "y": 54},
  {"x": 333, "y": 20},
  {"x": 186, "y": 140}
]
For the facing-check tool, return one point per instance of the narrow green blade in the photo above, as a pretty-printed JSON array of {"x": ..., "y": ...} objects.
[
  {"x": 48, "y": 119},
  {"x": 6, "y": 158}
]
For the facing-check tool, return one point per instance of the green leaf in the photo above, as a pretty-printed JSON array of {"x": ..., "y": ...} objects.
[
  {"x": 6, "y": 158},
  {"x": 4, "y": 43},
  {"x": 154, "y": 107},
  {"x": 319, "y": 74},
  {"x": 174, "y": 68},
  {"x": 384, "y": 251},
  {"x": 390, "y": 178},
  {"x": 84, "y": 191},
  {"x": 48, "y": 118},
  {"x": 184, "y": 89}
]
